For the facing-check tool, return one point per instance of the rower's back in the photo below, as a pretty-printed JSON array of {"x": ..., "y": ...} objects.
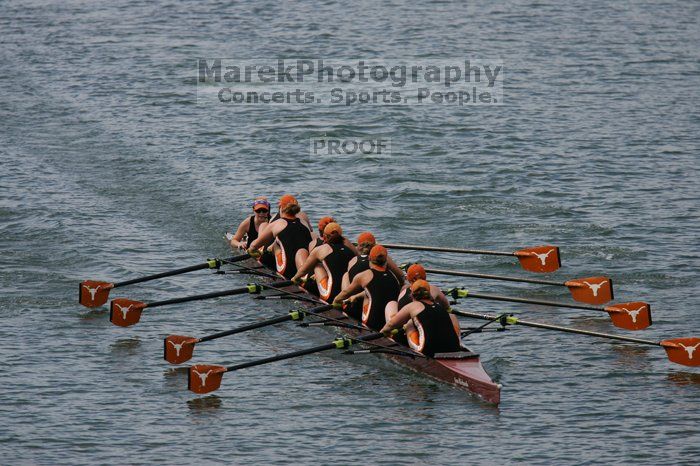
[
  {"x": 293, "y": 237},
  {"x": 335, "y": 264},
  {"x": 435, "y": 330},
  {"x": 381, "y": 289}
]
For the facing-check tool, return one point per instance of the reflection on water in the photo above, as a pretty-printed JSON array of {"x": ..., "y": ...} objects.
[
  {"x": 205, "y": 403},
  {"x": 684, "y": 378}
]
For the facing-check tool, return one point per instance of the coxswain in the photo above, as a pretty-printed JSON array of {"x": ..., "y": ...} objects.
[
  {"x": 380, "y": 286},
  {"x": 318, "y": 241},
  {"x": 251, "y": 226},
  {"x": 429, "y": 328},
  {"x": 413, "y": 273},
  {"x": 291, "y": 237},
  {"x": 328, "y": 262}
]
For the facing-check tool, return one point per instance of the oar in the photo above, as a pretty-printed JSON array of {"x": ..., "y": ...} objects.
[
  {"x": 125, "y": 312},
  {"x": 679, "y": 350},
  {"x": 634, "y": 315},
  {"x": 179, "y": 348},
  {"x": 205, "y": 378},
  {"x": 93, "y": 293},
  {"x": 591, "y": 290},
  {"x": 538, "y": 259}
]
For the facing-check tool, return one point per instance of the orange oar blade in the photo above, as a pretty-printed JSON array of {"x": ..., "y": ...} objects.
[
  {"x": 93, "y": 293},
  {"x": 204, "y": 378},
  {"x": 125, "y": 312},
  {"x": 685, "y": 351},
  {"x": 591, "y": 290},
  {"x": 635, "y": 315},
  {"x": 540, "y": 259},
  {"x": 178, "y": 348}
]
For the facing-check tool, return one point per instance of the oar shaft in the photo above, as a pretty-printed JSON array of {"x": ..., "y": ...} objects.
[
  {"x": 512, "y": 299},
  {"x": 558, "y": 328},
  {"x": 294, "y": 354},
  {"x": 457, "y": 273},
  {"x": 265, "y": 323},
  {"x": 215, "y": 294},
  {"x": 213, "y": 263},
  {"x": 413, "y": 247},
  {"x": 163, "y": 274},
  {"x": 245, "y": 328}
]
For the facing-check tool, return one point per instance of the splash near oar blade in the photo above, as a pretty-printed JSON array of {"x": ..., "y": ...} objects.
[
  {"x": 591, "y": 290},
  {"x": 204, "y": 378},
  {"x": 178, "y": 348},
  {"x": 540, "y": 259},
  {"x": 125, "y": 312},
  {"x": 94, "y": 293},
  {"x": 683, "y": 351},
  {"x": 635, "y": 315}
]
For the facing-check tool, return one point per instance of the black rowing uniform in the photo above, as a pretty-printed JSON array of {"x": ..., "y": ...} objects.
[
  {"x": 405, "y": 298},
  {"x": 360, "y": 265},
  {"x": 436, "y": 334},
  {"x": 266, "y": 259},
  {"x": 319, "y": 242},
  {"x": 381, "y": 289},
  {"x": 293, "y": 237},
  {"x": 335, "y": 264}
]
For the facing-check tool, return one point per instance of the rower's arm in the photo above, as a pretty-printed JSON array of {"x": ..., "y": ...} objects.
[
  {"x": 442, "y": 300},
  {"x": 348, "y": 244},
  {"x": 238, "y": 236},
  {"x": 265, "y": 237},
  {"x": 395, "y": 269},
  {"x": 399, "y": 319},
  {"x": 308, "y": 265},
  {"x": 354, "y": 286}
]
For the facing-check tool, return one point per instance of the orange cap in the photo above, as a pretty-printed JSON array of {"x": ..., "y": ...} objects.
[
  {"x": 420, "y": 289},
  {"x": 323, "y": 222},
  {"x": 332, "y": 228},
  {"x": 286, "y": 200},
  {"x": 378, "y": 254},
  {"x": 415, "y": 272},
  {"x": 366, "y": 237}
]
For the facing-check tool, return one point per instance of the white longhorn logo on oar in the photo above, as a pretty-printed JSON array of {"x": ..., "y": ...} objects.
[
  {"x": 92, "y": 291},
  {"x": 543, "y": 257},
  {"x": 177, "y": 347},
  {"x": 124, "y": 310},
  {"x": 595, "y": 287},
  {"x": 690, "y": 349},
  {"x": 202, "y": 377},
  {"x": 633, "y": 313}
]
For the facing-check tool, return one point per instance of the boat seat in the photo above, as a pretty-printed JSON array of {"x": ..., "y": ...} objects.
[{"x": 456, "y": 355}]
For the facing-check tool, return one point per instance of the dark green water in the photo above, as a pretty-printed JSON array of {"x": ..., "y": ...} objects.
[{"x": 111, "y": 170}]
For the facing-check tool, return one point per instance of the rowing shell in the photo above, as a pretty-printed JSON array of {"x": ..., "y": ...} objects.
[{"x": 461, "y": 369}]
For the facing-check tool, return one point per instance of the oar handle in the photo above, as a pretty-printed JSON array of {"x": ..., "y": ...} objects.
[
  {"x": 555, "y": 327},
  {"x": 413, "y": 247},
  {"x": 252, "y": 288},
  {"x": 457, "y": 273}
]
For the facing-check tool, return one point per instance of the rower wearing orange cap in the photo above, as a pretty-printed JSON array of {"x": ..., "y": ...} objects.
[
  {"x": 291, "y": 237},
  {"x": 413, "y": 273},
  {"x": 365, "y": 243},
  {"x": 328, "y": 261},
  {"x": 380, "y": 286},
  {"x": 429, "y": 328},
  {"x": 318, "y": 241}
]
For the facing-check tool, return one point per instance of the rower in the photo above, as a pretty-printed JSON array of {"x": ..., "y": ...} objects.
[
  {"x": 380, "y": 286},
  {"x": 290, "y": 235},
  {"x": 413, "y": 273},
  {"x": 429, "y": 328},
  {"x": 318, "y": 241},
  {"x": 328, "y": 261},
  {"x": 365, "y": 242}
]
